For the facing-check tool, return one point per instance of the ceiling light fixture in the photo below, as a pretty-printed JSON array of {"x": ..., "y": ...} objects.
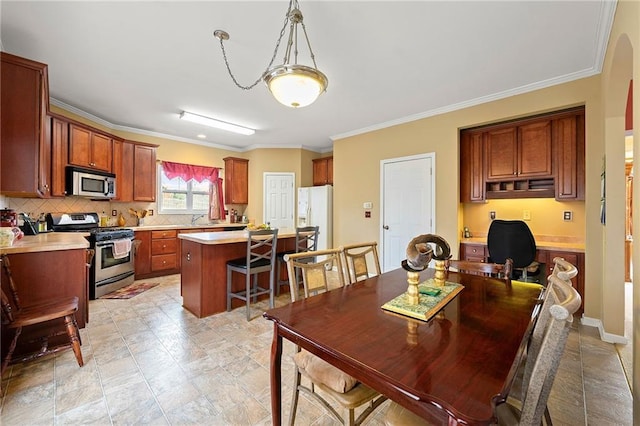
[
  {"x": 292, "y": 84},
  {"x": 212, "y": 122}
]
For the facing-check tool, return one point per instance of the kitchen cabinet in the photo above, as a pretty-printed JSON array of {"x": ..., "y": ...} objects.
[
  {"x": 236, "y": 180},
  {"x": 568, "y": 139},
  {"x": 142, "y": 253},
  {"x": 164, "y": 251},
  {"x": 59, "y": 155},
  {"x": 26, "y": 151},
  {"x": 472, "y": 167},
  {"x": 144, "y": 173},
  {"x": 473, "y": 252},
  {"x": 90, "y": 149},
  {"x": 323, "y": 171},
  {"x": 575, "y": 258},
  {"x": 123, "y": 169}
]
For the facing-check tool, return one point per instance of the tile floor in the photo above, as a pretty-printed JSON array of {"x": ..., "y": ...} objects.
[{"x": 149, "y": 361}]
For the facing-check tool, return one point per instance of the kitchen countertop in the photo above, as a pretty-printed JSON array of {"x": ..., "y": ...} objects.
[
  {"x": 196, "y": 226},
  {"x": 541, "y": 243},
  {"x": 51, "y": 241},
  {"x": 227, "y": 237}
]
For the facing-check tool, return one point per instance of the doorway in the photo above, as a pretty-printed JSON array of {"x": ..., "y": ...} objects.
[
  {"x": 408, "y": 204},
  {"x": 279, "y": 199}
]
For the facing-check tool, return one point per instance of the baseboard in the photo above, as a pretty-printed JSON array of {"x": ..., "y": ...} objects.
[{"x": 604, "y": 336}]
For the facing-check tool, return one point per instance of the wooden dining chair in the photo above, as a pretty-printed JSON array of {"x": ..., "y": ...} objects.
[
  {"x": 260, "y": 257},
  {"x": 501, "y": 270},
  {"x": 22, "y": 322},
  {"x": 344, "y": 390},
  {"x": 358, "y": 258},
  {"x": 561, "y": 301}
]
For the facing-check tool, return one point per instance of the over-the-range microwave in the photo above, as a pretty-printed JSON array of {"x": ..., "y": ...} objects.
[{"x": 90, "y": 183}]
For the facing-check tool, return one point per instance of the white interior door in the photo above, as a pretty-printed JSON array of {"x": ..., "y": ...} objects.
[
  {"x": 279, "y": 199},
  {"x": 408, "y": 204}
]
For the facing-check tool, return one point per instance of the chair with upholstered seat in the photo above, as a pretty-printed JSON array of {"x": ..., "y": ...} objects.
[
  {"x": 349, "y": 394},
  {"x": 18, "y": 320},
  {"x": 500, "y": 270},
  {"x": 306, "y": 240},
  {"x": 260, "y": 257},
  {"x": 513, "y": 239},
  {"x": 356, "y": 263}
]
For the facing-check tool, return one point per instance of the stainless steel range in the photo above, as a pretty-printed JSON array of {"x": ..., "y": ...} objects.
[{"x": 112, "y": 266}]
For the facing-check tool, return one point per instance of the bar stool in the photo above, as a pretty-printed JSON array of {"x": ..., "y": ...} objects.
[
  {"x": 306, "y": 240},
  {"x": 261, "y": 255}
]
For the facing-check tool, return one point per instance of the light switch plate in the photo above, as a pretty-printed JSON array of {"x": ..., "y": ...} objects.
[
  {"x": 526, "y": 215},
  {"x": 367, "y": 205},
  {"x": 492, "y": 214}
]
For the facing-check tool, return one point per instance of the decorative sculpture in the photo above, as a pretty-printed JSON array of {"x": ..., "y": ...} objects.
[{"x": 419, "y": 254}]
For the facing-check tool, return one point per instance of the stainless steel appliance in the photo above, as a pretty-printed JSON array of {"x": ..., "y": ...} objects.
[
  {"x": 109, "y": 270},
  {"x": 90, "y": 183}
]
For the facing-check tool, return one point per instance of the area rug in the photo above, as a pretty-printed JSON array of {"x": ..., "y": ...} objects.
[{"x": 129, "y": 291}]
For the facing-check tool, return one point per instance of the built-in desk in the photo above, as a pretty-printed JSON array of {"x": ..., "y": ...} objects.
[{"x": 204, "y": 256}]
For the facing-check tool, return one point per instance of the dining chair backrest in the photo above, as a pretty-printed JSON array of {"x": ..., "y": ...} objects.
[
  {"x": 500, "y": 270},
  {"x": 564, "y": 270},
  {"x": 359, "y": 258},
  {"x": 316, "y": 268},
  {"x": 562, "y": 301}
]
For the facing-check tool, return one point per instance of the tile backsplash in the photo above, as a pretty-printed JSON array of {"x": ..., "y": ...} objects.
[{"x": 71, "y": 204}]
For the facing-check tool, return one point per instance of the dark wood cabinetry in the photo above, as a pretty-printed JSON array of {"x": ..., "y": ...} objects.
[
  {"x": 142, "y": 254},
  {"x": 135, "y": 168},
  {"x": 473, "y": 252},
  {"x": 236, "y": 180},
  {"x": 59, "y": 155},
  {"x": 26, "y": 151},
  {"x": 539, "y": 157},
  {"x": 323, "y": 171},
  {"x": 90, "y": 149}
]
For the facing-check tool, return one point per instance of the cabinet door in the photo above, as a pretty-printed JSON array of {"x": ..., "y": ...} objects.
[
  {"x": 79, "y": 146},
  {"x": 330, "y": 170},
  {"x": 143, "y": 253},
  {"x": 323, "y": 171},
  {"x": 59, "y": 153},
  {"x": 568, "y": 144},
  {"x": 236, "y": 180},
  {"x": 534, "y": 150},
  {"x": 473, "y": 252},
  {"x": 471, "y": 167},
  {"x": 123, "y": 169},
  {"x": 144, "y": 173},
  {"x": 501, "y": 154},
  {"x": 101, "y": 152}
]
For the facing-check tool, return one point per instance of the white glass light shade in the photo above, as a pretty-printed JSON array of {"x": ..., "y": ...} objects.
[
  {"x": 295, "y": 86},
  {"x": 212, "y": 122}
]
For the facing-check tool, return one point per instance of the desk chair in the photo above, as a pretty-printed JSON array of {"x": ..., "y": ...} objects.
[
  {"x": 343, "y": 389},
  {"x": 513, "y": 239},
  {"x": 17, "y": 318},
  {"x": 481, "y": 268},
  {"x": 261, "y": 255},
  {"x": 306, "y": 240},
  {"x": 355, "y": 256},
  {"x": 562, "y": 302}
]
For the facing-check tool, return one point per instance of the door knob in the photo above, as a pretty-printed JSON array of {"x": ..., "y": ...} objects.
[{"x": 385, "y": 227}]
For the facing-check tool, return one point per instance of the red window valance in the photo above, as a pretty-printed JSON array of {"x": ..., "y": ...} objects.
[{"x": 189, "y": 171}]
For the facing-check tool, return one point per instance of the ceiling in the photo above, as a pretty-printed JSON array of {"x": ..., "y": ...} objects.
[{"x": 135, "y": 66}]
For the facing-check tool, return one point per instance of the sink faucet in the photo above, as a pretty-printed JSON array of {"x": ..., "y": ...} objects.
[{"x": 196, "y": 217}]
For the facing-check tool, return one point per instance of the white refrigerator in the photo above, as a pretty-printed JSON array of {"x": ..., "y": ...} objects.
[{"x": 315, "y": 207}]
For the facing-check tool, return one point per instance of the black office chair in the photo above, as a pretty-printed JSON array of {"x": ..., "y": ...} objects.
[{"x": 513, "y": 239}]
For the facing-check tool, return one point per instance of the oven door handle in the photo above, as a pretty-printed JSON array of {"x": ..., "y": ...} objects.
[{"x": 114, "y": 279}]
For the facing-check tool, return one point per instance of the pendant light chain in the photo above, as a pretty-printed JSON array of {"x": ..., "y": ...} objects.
[{"x": 273, "y": 57}]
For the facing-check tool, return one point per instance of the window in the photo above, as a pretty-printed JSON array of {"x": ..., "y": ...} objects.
[{"x": 177, "y": 196}]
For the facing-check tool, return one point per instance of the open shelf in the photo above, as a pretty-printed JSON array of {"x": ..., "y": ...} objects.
[{"x": 526, "y": 188}]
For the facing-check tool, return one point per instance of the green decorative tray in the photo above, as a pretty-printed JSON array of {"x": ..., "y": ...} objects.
[{"x": 429, "y": 305}]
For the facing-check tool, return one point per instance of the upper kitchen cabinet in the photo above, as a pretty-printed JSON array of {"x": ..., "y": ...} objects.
[
  {"x": 26, "y": 151},
  {"x": 59, "y": 155},
  {"x": 323, "y": 171},
  {"x": 471, "y": 167},
  {"x": 144, "y": 172},
  {"x": 568, "y": 139},
  {"x": 123, "y": 169},
  {"x": 536, "y": 157},
  {"x": 236, "y": 180},
  {"x": 90, "y": 149}
]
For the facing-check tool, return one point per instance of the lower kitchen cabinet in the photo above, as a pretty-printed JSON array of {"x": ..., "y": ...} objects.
[{"x": 142, "y": 244}]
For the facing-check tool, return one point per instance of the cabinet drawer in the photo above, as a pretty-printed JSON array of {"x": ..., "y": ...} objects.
[
  {"x": 169, "y": 233},
  {"x": 164, "y": 261},
  {"x": 163, "y": 246},
  {"x": 474, "y": 252}
]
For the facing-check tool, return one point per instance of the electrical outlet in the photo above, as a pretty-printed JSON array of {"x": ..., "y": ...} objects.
[
  {"x": 526, "y": 215},
  {"x": 150, "y": 212},
  {"x": 367, "y": 214},
  {"x": 114, "y": 213},
  {"x": 567, "y": 215},
  {"x": 492, "y": 214}
]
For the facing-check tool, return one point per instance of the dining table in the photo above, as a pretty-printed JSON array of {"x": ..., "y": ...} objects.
[{"x": 453, "y": 368}]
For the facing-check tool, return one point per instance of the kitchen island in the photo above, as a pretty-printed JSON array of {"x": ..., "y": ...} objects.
[{"x": 203, "y": 272}]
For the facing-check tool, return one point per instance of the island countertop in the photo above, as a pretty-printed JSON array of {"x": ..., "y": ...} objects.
[
  {"x": 228, "y": 237},
  {"x": 51, "y": 241}
]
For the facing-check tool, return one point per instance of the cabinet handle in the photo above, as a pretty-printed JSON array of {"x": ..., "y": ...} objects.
[
  {"x": 386, "y": 227},
  {"x": 164, "y": 246}
]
